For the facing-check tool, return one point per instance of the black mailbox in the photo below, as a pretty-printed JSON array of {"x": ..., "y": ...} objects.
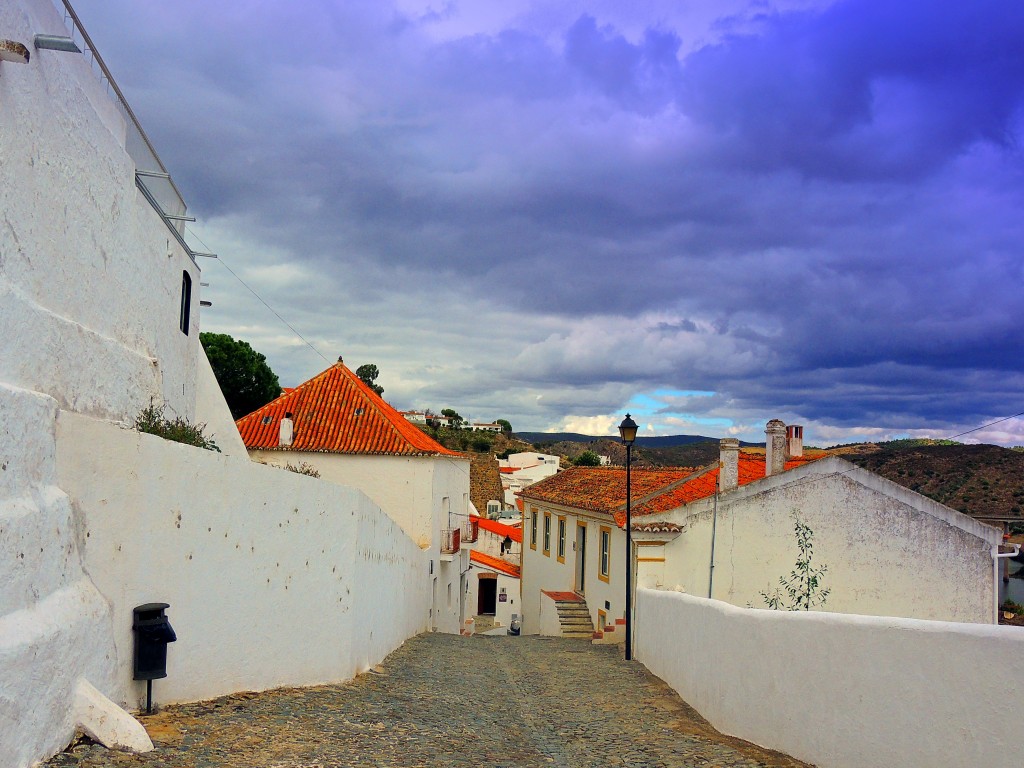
[{"x": 152, "y": 634}]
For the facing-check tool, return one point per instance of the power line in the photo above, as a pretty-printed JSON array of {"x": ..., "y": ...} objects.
[
  {"x": 983, "y": 426},
  {"x": 262, "y": 301}
]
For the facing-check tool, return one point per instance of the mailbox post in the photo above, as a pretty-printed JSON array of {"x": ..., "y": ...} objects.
[{"x": 152, "y": 634}]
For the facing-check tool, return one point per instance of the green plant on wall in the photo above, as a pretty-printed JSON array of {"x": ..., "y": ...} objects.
[
  {"x": 153, "y": 421},
  {"x": 802, "y": 589}
]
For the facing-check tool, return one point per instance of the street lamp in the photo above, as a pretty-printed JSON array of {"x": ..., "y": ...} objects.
[{"x": 627, "y": 431}]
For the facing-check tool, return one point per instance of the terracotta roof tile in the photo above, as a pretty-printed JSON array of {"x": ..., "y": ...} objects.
[
  {"x": 601, "y": 489},
  {"x": 494, "y": 563},
  {"x": 336, "y": 412},
  {"x": 516, "y": 534}
]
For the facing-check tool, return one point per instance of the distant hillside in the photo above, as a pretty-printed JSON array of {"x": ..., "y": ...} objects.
[{"x": 978, "y": 480}]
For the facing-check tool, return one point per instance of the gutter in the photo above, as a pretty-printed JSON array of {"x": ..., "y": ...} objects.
[{"x": 996, "y": 557}]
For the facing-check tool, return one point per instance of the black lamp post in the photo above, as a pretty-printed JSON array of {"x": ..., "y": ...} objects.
[{"x": 627, "y": 431}]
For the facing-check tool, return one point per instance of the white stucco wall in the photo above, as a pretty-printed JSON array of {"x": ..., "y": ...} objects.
[
  {"x": 889, "y": 551},
  {"x": 503, "y": 611},
  {"x": 273, "y": 578},
  {"x": 54, "y": 626},
  {"x": 422, "y": 494},
  {"x": 544, "y": 572},
  {"x": 213, "y": 411},
  {"x": 90, "y": 280},
  {"x": 837, "y": 690}
]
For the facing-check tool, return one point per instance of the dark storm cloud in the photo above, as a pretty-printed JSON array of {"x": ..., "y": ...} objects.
[{"x": 817, "y": 210}]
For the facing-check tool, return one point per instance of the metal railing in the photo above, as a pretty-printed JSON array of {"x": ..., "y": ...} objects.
[
  {"x": 450, "y": 541},
  {"x": 151, "y": 176},
  {"x": 470, "y": 531}
]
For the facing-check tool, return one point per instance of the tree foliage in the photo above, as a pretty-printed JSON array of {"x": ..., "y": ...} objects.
[
  {"x": 506, "y": 426},
  {"x": 587, "y": 459},
  {"x": 243, "y": 374},
  {"x": 368, "y": 374},
  {"x": 455, "y": 420},
  {"x": 802, "y": 587}
]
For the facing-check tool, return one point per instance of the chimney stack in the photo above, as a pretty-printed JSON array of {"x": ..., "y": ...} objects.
[
  {"x": 729, "y": 464},
  {"x": 794, "y": 441},
  {"x": 774, "y": 447}
]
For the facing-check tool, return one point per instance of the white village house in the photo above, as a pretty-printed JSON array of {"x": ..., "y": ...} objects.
[
  {"x": 522, "y": 469},
  {"x": 494, "y": 585},
  {"x": 889, "y": 551},
  {"x": 351, "y": 436}
]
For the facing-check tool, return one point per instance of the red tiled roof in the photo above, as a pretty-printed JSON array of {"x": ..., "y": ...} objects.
[
  {"x": 494, "y": 563},
  {"x": 516, "y": 534},
  {"x": 564, "y": 597},
  {"x": 600, "y": 489},
  {"x": 336, "y": 412},
  {"x": 750, "y": 468},
  {"x": 652, "y": 490}
]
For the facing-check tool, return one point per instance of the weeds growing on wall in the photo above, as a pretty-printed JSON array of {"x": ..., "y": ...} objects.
[
  {"x": 304, "y": 468},
  {"x": 153, "y": 421},
  {"x": 801, "y": 590}
]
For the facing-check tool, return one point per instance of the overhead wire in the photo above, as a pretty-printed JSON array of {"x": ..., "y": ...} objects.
[{"x": 260, "y": 298}]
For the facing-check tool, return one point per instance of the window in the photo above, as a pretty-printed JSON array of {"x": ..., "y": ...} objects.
[
  {"x": 561, "y": 539},
  {"x": 186, "y": 302},
  {"x": 606, "y": 554},
  {"x": 547, "y": 533},
  {"x": 533, "y": 528}
]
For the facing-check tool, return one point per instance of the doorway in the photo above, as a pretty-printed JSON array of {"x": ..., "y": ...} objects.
[
  {"x": 487, "y": 596},
  {"x": 581, "y": 558}
]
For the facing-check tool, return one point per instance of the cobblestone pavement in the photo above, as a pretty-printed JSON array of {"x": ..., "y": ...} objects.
[{"x": 443, "y": 700}]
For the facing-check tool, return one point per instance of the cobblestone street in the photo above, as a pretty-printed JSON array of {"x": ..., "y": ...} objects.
[{"x": 446, "y": 700}]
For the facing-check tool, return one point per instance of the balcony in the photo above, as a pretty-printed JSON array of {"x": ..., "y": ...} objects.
[
  {"x": 470, "y": 531},
  {"x": 450, "y": 540}
]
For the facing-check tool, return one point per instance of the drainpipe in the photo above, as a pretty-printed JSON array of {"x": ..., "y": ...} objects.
[
  {"x": 996, "y": 557},
  {"x": 714, "y": 527}
]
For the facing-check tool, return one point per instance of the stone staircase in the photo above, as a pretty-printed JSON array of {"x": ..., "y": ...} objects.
[{"x": 574, "y": 616}]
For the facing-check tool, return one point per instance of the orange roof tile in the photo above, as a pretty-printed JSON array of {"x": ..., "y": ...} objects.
[
  {"x": 600, "y": 489},
  {"x": 516, "y": 534},
  {"x": 336, "y": 412},
  {"x": 652, "y": 490},
  {"x": 494, "y": 563}
]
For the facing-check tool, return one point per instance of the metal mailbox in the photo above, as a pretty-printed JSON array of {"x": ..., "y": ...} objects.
[{"x": 152, "y": 634}]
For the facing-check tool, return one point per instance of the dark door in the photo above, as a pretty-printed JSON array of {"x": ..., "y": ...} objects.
[{"x": 487, "y": 597}]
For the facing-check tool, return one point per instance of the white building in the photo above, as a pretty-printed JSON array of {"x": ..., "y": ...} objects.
[
  {"x": 889, "y": 551},
  {"x": 494, "y": 584},
  {"x": 354, "y": 438},
  {"x": 521, "y": 470},
  {"x": 99, "y": 317}
]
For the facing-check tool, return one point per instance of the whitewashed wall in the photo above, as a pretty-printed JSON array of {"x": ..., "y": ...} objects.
[
  {"x": 412, "y": 491},
  {"x": 273, "y": 578},
  {"x": 503, "y": 611},
  {"x": 889, "y": 551},
  {"x": 90, "y": 281},
  {"x": 837, "y": 690},
  {"x": 54, "y": 625}
]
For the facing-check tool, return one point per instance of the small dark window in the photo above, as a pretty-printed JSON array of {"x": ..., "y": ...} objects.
[
  {"x": 186, "y": 302},
  {"x": 266, "y": 419}
]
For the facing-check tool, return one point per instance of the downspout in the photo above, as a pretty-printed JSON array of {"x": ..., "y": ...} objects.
[
  {"x": 996, "y": 557},
  {"x": 714, "y": 527}
]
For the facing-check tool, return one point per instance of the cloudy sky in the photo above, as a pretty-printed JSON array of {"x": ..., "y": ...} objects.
[{"x": 706, "y": 212}]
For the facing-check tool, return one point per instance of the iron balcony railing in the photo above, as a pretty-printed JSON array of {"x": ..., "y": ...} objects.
[
  {"x": 450, "y": 541},
  {"x": 470, "y": 531}
]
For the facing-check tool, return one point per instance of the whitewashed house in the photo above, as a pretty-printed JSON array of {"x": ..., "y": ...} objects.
[
  {"x": 495, "y": 561},
  {"x": 352, "y": 437},
  {"x": 520, "y": 470},
  {"x": 889, "y": 551}
]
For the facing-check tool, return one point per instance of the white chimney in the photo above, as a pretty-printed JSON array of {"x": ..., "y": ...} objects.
[
  {"x": 729, "y": 464},
  {"x": 774, "y": 447},
  {"x": 287, "y": 431},
  {"x": 794, "y": 441}
]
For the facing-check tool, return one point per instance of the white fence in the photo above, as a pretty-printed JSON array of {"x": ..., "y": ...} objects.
[{"x": 838, "y": 690}]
